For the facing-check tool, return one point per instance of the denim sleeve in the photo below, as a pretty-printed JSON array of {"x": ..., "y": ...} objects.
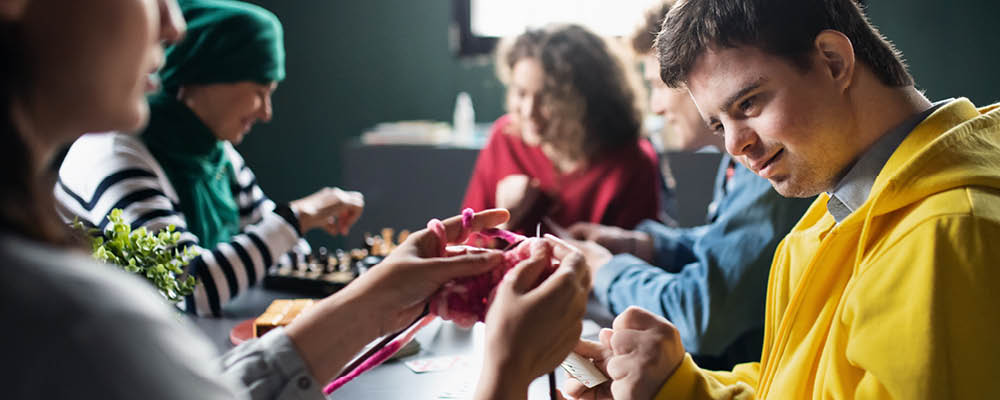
[
  {"x": 671, "y": 246},
  {"x": 271, "y": 368},
  {"x": 715, "y": 292}
]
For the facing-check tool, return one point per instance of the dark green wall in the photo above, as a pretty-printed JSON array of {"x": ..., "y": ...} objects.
[
  {"x": 352, "y": 64},
  {"x": 952, "y": 47}
]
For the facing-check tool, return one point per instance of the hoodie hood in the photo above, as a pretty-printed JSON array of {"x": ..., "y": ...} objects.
[{"x": 955, "y": 146}]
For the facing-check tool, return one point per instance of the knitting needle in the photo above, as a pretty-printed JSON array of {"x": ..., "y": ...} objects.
[
  {"x": 552, "y": 385},
  {"x": 552, "y": 374},
  {"x": 557, "y": 229}
]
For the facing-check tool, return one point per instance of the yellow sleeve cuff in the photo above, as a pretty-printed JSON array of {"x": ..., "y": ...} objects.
[{"x": 681, "y": 384}]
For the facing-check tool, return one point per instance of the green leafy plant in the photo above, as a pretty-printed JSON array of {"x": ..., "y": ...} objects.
[{"x": 154, "y": 257}]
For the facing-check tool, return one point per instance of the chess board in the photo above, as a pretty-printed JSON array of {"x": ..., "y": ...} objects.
[{"x": 321, "y": 273}]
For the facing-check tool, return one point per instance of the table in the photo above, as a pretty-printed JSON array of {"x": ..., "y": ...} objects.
[{"x": 393, "y": 380}]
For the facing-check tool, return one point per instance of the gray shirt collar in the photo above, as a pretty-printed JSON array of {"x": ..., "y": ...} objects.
[{"x": 853, "y": 189}]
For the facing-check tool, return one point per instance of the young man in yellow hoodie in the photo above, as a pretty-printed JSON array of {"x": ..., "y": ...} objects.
[{"x": 888, "y": 285}]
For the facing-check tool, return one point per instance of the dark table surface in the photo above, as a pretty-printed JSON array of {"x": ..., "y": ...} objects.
[{"x": 392, "y": 380}]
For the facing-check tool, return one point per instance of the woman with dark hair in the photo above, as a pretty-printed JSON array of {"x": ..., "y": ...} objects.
[
  {"x": 183, "y": 170},
  {"x": 77, "y": 329},
  {"x": 569, "y": 148}
]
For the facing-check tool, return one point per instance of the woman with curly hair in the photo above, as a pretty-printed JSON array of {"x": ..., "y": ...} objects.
[{"x": 569, "y": 149}]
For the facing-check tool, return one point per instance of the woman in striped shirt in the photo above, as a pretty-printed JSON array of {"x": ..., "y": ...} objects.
[{"x": 183, "y": 170}]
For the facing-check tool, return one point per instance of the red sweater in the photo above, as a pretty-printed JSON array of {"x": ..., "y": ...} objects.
[{"x": 619, "y": 188}]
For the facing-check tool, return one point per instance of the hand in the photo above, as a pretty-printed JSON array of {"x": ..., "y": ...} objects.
[
  {"x": 332, "y": 209},
  {"x": 639, "y": 354},
  {"x": 517, "y": 193},
  {"x": 529, "y": 331},
  {"x": 616, "y": 240},
  {"x": 595, "y": 255},
  {"x": 403, "y": 282},
  {"x": 387, "y": 297}
]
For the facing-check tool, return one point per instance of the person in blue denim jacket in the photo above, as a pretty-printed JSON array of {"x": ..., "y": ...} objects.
[{"x": 709, "y": 280}]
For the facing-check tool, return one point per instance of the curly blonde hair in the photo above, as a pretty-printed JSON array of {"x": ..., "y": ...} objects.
[{"x": 588, "y": 91}]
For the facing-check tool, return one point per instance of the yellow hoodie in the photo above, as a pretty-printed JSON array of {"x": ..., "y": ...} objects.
[{"x": 898, "y": 300}]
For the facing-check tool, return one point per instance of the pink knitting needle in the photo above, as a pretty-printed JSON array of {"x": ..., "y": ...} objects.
[
  {"x": 384, "y": 349},
  {"x": 379, "y": 353}
]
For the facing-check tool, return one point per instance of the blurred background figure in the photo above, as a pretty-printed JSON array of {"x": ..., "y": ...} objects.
[{"x": 569, "y": 147}]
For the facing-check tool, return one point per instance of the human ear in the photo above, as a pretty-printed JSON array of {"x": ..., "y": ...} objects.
[
  {"x": 836, "y": 56},
  {"x": 186, "y": 94},
  {"x": 12, "y": 10},
  {"x": 182, "y": 93}
]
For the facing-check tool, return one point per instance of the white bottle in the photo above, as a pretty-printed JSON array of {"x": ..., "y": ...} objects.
[{"x": 464, "y": 122}]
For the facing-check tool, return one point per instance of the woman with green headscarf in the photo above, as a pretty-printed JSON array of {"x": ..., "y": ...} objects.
[{"x": 183, "y": 169}]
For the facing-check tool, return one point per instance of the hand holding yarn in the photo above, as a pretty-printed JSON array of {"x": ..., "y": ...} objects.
[
  {"x": 419, "y": 266},
  {"x": 398, "y": 289},
  {"x": 459, "y": 283},
  {"x": 466, "y": 300},
  {"x": 533, "y": 325}
]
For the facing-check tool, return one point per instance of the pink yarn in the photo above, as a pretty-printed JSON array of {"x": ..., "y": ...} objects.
[
  {"x": 379, "y": 357},
  {"x": 465, "y": 301},
  {"x": 467, "y": 215}
]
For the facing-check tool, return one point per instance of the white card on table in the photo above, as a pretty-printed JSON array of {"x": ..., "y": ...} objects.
[{"x": 433, "y": 364}]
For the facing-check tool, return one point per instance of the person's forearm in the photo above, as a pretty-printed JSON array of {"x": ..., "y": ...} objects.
[
  {"x": 616, "y": 285},
  {"x": 494, "y": 384},
  {"x": 642, "y": 246},
  {"x": 670, "y": 247},
  {"x": 333, "y": 331}
]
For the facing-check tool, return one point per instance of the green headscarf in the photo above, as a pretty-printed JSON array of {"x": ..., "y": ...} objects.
[{"x": 226, "y": 42}]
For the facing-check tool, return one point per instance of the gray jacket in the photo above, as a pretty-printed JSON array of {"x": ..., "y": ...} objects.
[{"x": 77, "y": 329}]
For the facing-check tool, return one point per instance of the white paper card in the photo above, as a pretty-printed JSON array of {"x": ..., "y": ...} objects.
[{"x": 583, "y": 370}]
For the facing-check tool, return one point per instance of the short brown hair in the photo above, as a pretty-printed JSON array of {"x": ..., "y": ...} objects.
[
  {"x": 644, "y": 36},
  {"x": 785, "y": 28}
]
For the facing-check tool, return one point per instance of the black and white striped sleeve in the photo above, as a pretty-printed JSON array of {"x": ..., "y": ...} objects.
[
  {"x": 250, "y": 199},
  {"x": 253, "y": 204},
  {"x": 102, "y": 172}
]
